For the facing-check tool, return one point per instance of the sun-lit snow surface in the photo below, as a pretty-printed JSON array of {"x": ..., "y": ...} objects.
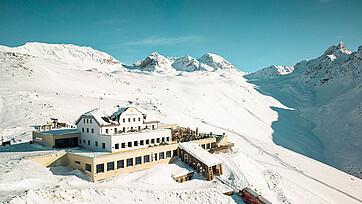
[{"x": 35, "y": 88}]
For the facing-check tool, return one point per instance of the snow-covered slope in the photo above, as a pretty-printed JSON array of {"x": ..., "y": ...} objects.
[
  {"x": 326, "y": 96},
  {"x": 80, "y": 57},
  {"x": 33, "y": 89}
]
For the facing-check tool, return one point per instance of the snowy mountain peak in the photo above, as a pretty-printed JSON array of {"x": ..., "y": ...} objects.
[
  {"x": 159, "y": 63},
  {"x": 271, "y": 72},
  {"x": 215, "y": 62},
  {"x": 336, "y": 49},
  {"x": 341, "y": 46},
  {"x": 156, "y": 62}
]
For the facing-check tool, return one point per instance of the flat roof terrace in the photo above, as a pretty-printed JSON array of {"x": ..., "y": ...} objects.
[{"x": 59, "y": 131}]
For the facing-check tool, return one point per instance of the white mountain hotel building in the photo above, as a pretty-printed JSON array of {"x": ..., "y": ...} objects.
[
  {"x": 119, "y": 140},
  {"x": 116, "y": 132}
]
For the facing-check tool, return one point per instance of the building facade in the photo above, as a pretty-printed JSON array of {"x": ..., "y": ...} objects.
[{"x": 118, "y": 129}]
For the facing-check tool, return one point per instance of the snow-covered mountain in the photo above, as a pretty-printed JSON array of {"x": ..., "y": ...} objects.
[
  {"x": 158, "y": 63},
  {"x": 80, "y": 57},
  {"x": 326, "y": 96},
  {"x": 272, "y": 125},
  {"x": 271, "y": 72}
]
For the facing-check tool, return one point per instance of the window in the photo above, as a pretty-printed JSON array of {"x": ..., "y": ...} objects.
[
  {"x": 88, "y": 167},
  {"x": 175, "y": 152},
  {"x": 84, "y": 141},
  {"x": 120, "y": 164},
  {"x": 168, "y": 139},
  {"x": 163, "y": 139},
  {"x": 92, "y": 130},
  {"x": 134, "y": 119},
  {"x": 203, "y": 146},
  {"x": 168, "y": 154},
  {"x": 139, "y": 128},
  {"x": 153, "y": 127},
  {"x": 100, "y": 168},
  {"x": 155, "y": 157},
  {"x": 139, "y": 119},
  {"x": 124, "y": 120},
  {"x": 142, "y": 142},
  {"x": 90, "y": 121},
  {"x": 129, "y": 120},
  {"x": 124, "y": 129},
  {"x": 147, "y": 141},
  {"x": 80, "y": 141},
  {"x": 158, "y": 140},
  {"x": 208, "y": 146},
  {"x": 135, "y": 143},
  {"x": 116, "y": 146},
  {"x": 129, "y": 144},
  {"x": 106, "y": 131},
  {"x": 96, "y": 143},
  {"x": 110, "y": 166},
  {"x": 87, "y": 120},
  {"x": 129, "y": 162},
  {"x": 88, "y": 142},
  {"x": 138, "y": 160},
  {"x": 146, "y": 127},
  {"x": 115, "y": 130},
  {"x": 153, "y": 141},
  {"x": 87, "y": 130},
  {"x": 83, "y": 120},
  {"x": 162, "y": 155},
  {"x": 123, "y": 145},
  {"x": 146, "y": 158},
  {"x": 82, "y": 129},
  {"x": 77, "y": 162},
  {"x": 103, "y": 145}
]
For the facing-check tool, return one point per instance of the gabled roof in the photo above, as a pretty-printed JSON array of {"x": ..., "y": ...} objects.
[{"x": 105, "y": 116}]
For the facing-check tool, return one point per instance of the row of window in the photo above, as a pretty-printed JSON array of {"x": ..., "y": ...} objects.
[
  {"x": 129, "y": 120},
  {"x": 87, "y": 130},
  {"x": 95, "y": 143},
  {"x": 86, "y": 120},
  {"x": 110, "y": 166},
  {"x": 207, "y": 146},
  {"x": 142, "y": 142},
  {"x": 127, "y": 129}
]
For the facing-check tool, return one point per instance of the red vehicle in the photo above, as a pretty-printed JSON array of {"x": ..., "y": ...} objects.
[{"x": 250, "y": 196}]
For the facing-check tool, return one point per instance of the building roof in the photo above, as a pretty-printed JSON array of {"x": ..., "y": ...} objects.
[
  {"x": 60, "y": 131},
  {"x": 200, "y": 154},
  {"x": 179, "y": 168},
  {"x": 109, "y": 116},
  {"x": 106, "y": 115}
]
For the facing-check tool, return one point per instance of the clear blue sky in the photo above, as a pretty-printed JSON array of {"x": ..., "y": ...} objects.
[{"x": 250, "y": 34}]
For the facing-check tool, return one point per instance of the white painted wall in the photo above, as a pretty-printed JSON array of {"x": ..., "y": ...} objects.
[{"x": 89, "y": 123}]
